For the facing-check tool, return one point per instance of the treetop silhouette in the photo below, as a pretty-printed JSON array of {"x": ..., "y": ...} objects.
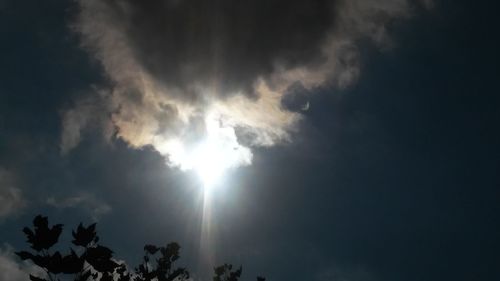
[{"x": 91, "y": 261}]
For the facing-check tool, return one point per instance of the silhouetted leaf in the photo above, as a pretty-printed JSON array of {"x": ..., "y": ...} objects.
[
  {"x": 179, "y": 273},
  {"x": 125, "y": 277},
  {"x": 224, "y": 273},
  {"x": 55, "y": 263},
  {"x": 235, "y": 275},
  {"x": 34, "y": 278},
  {"x": 121, "y": 269},
  {"x": 152, "y": 249},
  {"x": 85, "y": 276},
  {"x": 219, "y": 271},
  {"x": 72, "y": 263},
  {"x": 24, "y": 255},
  {"x": 171, "y": 252},
  {"x": 42, "y": 237},
  {"x": 31, "y": 237},
  {"x": 41, "y": 261},
  {"x": 41, "y": 222},
  {"x": 104, "y": 265},
  {"x": 51, "y": 263},
  {"x": 122, "y": 276},
  {"x": 84, "y": 235},
  {"x": 100, "y": 251},
  {"x": 100, "y": 258},
  {"x": 107, "y": 277}
]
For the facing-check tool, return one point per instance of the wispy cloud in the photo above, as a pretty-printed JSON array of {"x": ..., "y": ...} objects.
[
  {"x": 11, "y": 197},
  {"x": 88, "y": 113},
  {"x": 88, "y": 202}
]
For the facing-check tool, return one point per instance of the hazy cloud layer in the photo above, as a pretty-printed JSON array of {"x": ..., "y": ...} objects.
[
  {"x": 177, "y": 66},
  {"x": 12, "y": 270},
  {"x": 89, "y": 112},
  {"x": 11, "y": 198},
  {"x": 89, "y": 202}
]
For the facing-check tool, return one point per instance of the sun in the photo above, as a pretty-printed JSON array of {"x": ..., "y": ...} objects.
[
  {"x": 213, "y": 155},
  {"x": 210, "y": 162}
]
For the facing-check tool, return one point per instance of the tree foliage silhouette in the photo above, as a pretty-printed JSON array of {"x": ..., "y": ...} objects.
[{"x": 90, "y": 260}]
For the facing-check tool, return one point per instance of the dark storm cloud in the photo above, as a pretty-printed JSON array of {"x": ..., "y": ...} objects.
[{"x": 230, "y": 43}]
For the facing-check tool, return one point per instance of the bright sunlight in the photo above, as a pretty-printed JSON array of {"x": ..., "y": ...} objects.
[{"x": 213, "y": 155}]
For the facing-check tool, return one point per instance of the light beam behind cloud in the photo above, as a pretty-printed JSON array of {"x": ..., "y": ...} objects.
[{"x": 178, "y": 69}]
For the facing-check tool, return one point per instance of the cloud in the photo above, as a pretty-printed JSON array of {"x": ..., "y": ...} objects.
[
  {"x": 89, "y": 112},
  {"x": 174, "y": 66},
  {"x": 96, "y": 207},
  {"x": 13, "y": 270},
  {"x": 11, "y": 197}
]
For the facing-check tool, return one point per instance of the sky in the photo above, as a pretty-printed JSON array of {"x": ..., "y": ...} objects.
[{"x": 356, "y": 140}]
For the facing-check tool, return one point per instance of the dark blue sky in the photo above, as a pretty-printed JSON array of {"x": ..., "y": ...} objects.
[{"x": 395, "y": 177}]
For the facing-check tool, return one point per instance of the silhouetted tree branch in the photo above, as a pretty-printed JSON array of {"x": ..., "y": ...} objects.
[{"x": 92, "y": 261}]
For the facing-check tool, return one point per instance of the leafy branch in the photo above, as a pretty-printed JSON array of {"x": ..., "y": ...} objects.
[{"x": 93, "y": 261}]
